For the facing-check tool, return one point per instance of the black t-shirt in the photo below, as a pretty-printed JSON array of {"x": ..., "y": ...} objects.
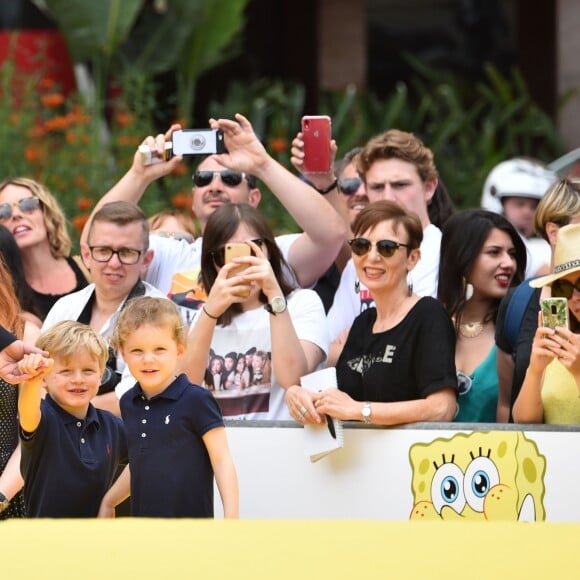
[
  {"x": 523, "y": 346},
  {"x": 6, "y": 338},
  {"x": 409, "y": 361}
]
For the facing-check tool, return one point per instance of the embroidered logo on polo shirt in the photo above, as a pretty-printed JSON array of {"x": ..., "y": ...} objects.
[{"x": 167, "y": 419}]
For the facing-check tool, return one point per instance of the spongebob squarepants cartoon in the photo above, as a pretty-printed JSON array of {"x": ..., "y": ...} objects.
[{"x": 497, "y": 475}]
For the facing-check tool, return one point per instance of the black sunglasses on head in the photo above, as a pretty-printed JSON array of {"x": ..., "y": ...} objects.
[
  {"x": 219, "y": 255},
  {"x": 25, "y": 205},
  {"x": 565, "y": 288},
  {"x": 386, "y": 248},
  {"x": 228, "y": 177},
  {"x": 349, "y": 185}
]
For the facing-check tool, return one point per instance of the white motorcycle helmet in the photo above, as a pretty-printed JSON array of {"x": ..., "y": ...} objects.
[{"x": 518, "y": 177}]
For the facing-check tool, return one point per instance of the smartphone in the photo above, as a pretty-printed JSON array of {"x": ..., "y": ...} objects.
[
  {"x": 198, "y": 142},
  {"x": 555, "y": 312},
  {"x": 316, "y": 132},
  {"x": 237, "y": 250}
]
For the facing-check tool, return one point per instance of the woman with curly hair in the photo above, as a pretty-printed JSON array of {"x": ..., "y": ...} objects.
[{"x": 33, "y": 216}]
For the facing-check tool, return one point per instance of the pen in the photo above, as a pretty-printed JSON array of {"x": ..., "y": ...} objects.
[{"x": 330, "y": 424}]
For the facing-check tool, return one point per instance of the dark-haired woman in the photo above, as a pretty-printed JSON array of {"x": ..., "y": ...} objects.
[
  {"x": 258, "y": 309},
  {"x": 398, "y": 363},
  {"x": 482, "y": 257}
]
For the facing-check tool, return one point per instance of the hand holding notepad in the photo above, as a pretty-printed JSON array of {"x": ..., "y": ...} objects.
[{"x": 320, "y": 440}]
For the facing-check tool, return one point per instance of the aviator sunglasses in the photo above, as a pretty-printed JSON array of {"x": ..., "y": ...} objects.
[
  {"x": 349, "y": 185},
  {"x": 386, "y": 248},
  {"x": 219, "y": 255},
  {"x": 565, "y": 288},
  {"x": 25, "y": 205},
  {"x": 229, "y": 178}
]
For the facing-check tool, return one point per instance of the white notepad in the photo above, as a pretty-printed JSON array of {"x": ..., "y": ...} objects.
[{"x": 318, "y": 442}]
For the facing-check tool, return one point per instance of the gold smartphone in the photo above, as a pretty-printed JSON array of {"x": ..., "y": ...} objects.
[
  {"x": 237, "y": 250},
  {"x": 555, "y": 312}
]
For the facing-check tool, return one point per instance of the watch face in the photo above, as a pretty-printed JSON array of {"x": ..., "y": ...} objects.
[
  {"x": 366, "y": 411},
  {"x": 279, "y": 304}
]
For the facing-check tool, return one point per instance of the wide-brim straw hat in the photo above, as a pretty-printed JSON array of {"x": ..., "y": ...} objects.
[{"x": 566, "y": 256}]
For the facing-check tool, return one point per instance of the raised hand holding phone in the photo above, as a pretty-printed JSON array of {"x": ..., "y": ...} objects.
[{"x": 316, "y": 135}]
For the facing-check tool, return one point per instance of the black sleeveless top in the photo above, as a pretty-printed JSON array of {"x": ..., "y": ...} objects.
[{"x": 45, "y": 302}]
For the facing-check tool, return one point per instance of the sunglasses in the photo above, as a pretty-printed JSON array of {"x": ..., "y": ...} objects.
[
  {"x": 386, "y": 248},
  {"x": 229, "y": 178},
  {"x": 349, "y": 186},
  {"x": 219, "y": 255},
  {"x": 565, "y": 288},
  {"x": 25, "y": 205}
]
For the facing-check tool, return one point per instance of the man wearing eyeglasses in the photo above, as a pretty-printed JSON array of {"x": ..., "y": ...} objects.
[
  {"x": 231, "y": 178},
  {"x": 117, "y": 253}
]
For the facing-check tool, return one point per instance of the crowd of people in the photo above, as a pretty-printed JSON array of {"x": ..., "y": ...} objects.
[{"x": 120, "y": 366}]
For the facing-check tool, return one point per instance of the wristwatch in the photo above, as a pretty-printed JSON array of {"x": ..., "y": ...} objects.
[
  {"x": 277, "y": 306},
  {"x": 366, "y": 412},
  {"x": 4, "y": 502}
]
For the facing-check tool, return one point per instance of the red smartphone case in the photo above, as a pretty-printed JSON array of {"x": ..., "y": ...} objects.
[{"x": 316, "y": 131}]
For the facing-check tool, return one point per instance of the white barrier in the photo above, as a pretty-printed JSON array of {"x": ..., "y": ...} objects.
[{"x": 435, "y": 471}]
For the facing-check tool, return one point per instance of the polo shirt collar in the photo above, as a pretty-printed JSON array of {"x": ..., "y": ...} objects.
[
  {"x": 92, "y": 415},
  {"x": 173, "y": 391}
]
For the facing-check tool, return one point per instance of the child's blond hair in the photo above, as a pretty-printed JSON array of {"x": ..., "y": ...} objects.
[
  {"x": 148, "y": 310},
  {"x": 65, "y": 339}
]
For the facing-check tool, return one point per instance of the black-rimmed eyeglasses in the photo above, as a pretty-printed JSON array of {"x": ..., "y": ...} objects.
[{"x": 127, "y": 256}]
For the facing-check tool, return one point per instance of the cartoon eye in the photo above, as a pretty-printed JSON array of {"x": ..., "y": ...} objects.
[
  {"x": 480, "y": 476},
  {"x": 447, "y": 488}
]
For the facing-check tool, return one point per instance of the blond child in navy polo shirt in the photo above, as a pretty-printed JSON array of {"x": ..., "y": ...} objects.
[
  {"x": 70, "y": 449},
  {"x": 175, "y": 430}
]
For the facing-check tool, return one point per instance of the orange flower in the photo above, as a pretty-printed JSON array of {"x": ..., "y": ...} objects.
[
  {"x": 57, "y": 124},
  {"x": 52, "y": 100},
  {"x": 278, "y": 144},
  {"x": 128, "y": 140},
  {"x": 46, "y": 83},
  {"x": 33, "y": 154},
  {"x": 84, "y": 203},
  {"x": 79, "y": 221},
  {"x": 181, "y": 200},
  {"x": 124, "y": 119},
  {"x": 37, "y": 131}
]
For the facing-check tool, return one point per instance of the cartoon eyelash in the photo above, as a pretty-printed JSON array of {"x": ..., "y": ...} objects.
[
  {"x": 444, "y": 461},
  {"x": 480, "y": 454}
]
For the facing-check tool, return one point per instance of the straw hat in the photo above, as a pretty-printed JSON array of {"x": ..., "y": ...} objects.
[{"x": 566, "y": 256}]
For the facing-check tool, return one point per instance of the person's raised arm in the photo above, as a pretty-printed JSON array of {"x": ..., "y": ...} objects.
[
  {"x": 324, "y": 231},
  {"x": 31, "y": 391},
  {"x": 139, "y": 176}
]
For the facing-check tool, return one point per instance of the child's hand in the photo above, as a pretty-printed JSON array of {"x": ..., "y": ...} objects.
[
  {"x": 35, "y": 365},
  {"x": 106, "y": 510}
]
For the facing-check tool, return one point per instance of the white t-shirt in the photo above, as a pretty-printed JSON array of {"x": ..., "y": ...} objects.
[
  {"x": 70, "y": 307},
  {"x": 254, "y": 393},
  {"x": 539, "y": 255},
  {"x": 348, "y": 304}
]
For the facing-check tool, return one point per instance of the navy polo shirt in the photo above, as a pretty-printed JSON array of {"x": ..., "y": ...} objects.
[
  {"x": 68, "y": 464},
  {"x": 171, "y": 474}
]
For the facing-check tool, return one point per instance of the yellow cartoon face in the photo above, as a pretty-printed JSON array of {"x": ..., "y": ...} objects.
[{"x": 497, "y": 475}]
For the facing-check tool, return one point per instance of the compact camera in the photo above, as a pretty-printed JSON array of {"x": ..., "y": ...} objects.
[
  {"x": 187, "y": 142},
  {"x": 198, "y": 142}
]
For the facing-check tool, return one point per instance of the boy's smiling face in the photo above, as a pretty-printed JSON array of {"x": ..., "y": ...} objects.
[
  {"x": 74, "y": 381},
  {"x": 151, "y": 353}
]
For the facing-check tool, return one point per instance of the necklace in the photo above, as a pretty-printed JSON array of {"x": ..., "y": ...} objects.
[{"x": 471, "y": 329}]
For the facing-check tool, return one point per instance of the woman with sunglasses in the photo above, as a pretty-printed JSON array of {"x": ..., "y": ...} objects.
[
  {"x": 398, "y": 362},
  {"x": 482, "y": 256},
  {"x": 11, "y": 502},
  {"x": 33, "y": 216},
  {"x": 253, "y": 306},
  {"x": 550, "y": 391},
  {"x": 517, "y": 318}
]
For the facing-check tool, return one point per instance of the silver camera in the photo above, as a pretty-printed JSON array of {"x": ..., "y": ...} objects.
[{"x": 198, "y": 142}]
